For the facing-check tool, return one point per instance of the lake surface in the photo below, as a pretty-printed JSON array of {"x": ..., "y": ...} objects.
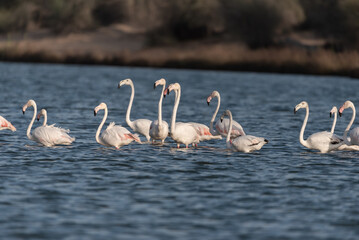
[{"x": 88, "y": 191}]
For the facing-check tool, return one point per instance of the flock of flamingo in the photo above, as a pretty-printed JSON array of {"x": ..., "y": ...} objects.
[{"x": 187, "y": 133}]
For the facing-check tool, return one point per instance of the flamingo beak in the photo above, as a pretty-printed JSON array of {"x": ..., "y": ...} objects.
[
  {"x": 119, "y": 85},
  {"x": 207, "y": 103},
  {"x": 154, "y": 86},
  {"x": 23, "y": 112},
  {"x": 340, "y": 114},
  {"x": 295, "y": 111},
  {"x": 221, "y": 119},
  {"x": 94, "y": 113},
  {"x": 330, "y": 115}
]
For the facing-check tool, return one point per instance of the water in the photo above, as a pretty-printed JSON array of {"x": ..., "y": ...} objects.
[{"x": 87, "y": 191}]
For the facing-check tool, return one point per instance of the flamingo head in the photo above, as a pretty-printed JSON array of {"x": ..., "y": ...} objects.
[
  {"x": 99, "y": 107},
  {"x": 303, "y": 104},
  {"x": 162, "y": 81},
  {"x": 225, "y": 113},
  {"x": 166, "y": 92},
  {"x": 43, "y": 112},
  {"x": 347, "y": 104},
  {"x": 174, "y": 86},
  {"x": 333, "y": 111},
  {"x": 125, "y": 82},
  {"x": 28, "y": 104},
  {"x": 213, "y": 95}
]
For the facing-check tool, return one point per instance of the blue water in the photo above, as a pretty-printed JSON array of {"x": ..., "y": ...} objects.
[{"x": 87, "y": 191}]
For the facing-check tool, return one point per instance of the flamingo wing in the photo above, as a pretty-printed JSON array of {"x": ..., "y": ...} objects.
[
  {"x": 116, "y": 135},
  {"x": 222, "y": 128},
  {"x": 354, "y": 136},
  {"x": 51, "y": 135},
  {"x": 5, "y": 124}
]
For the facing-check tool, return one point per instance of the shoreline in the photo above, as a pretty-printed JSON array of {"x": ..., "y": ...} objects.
[
  {"x": 260, "y": 67},
  {"x": 116, "y": 46}
]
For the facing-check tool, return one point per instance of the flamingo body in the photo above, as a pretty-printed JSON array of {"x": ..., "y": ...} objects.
[
  {"x": 354, "y": 136},
  {"x": 117, "y": 136},
  {"x": 324, "y": 141},
  {"x": 204, "y": 132},
  {"x": 184, "y": 133},
  {"x": 5, "y": 124},
  {"x": 246, "y": 143},
  {"x": 50, "y": 136},
  {"x": 114, "y": 135},
  {"x": 159, "y": 131}
]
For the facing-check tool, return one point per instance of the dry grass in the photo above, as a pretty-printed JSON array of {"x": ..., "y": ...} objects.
[{"x": 92, "y": 49}]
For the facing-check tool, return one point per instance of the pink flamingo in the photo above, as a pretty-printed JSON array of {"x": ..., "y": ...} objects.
[
  {"x": 114, "y": 135},
  {"x": 46, "y": 135},
  {"x": 141, "y": 126},
  {"x": 222, "y": 127},
  {"x": 181, "y": 133}
]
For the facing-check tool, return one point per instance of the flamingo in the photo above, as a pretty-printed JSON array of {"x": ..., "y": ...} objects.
[
  {"x": 202, "y": 130},
  {"x": 354, "y": 133},
  {"x": 113, "y": 136},
  {"x": 244, "y": 143},
  {"x": 141, "y": 126},
  {"x": 159, "y": 128},
  {"x": 344, "y": 146},
  {"x": 181, "y": 133},
  {"x": 323, "y": 141},
  {"x": 46, "y": 135},
  {"x": 5, "y": 124},
  {"x": 221, "y": 127}
]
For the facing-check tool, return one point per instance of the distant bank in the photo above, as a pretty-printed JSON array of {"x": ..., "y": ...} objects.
[{"x": 120, "y": 46}]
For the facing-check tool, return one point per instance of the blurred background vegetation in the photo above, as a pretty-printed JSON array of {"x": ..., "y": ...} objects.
[
  {"x": 302, "y": 36},
  {"x": 256, "y": 23}
]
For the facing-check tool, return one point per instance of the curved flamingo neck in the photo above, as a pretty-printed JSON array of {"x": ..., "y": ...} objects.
[
  {"x": 214, "y": 115},
  {"x": 128, "y": 120},
  {"x": 28, "y": 132},
  {"x": 349, "y": 125},
  {"x": 100, "y": 127},
  {"x": 229, "y": 130},
  {"x": 175, "y": 107},
  {"x": 160, "y": 106},
  {"x": 301, "y": 138},
  {"x": 334, "y": 122},
  {"x": 45, "y": 119}
]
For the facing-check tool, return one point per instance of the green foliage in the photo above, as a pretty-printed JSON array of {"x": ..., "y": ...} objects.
[
  {"x": 350, "y": 9},
  {"x": 256, "y": 22},
  {"x": 109, "y": 12},
  {"x": 67, "y": 16},
  {"x": 187, "y": 19}
]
